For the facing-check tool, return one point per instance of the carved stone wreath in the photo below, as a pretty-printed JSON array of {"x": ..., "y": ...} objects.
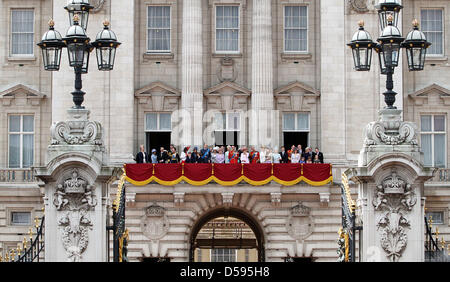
[{"x": 394, "y": 198}]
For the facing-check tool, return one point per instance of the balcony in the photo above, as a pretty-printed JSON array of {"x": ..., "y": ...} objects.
[{"x": 17, "y": 175}]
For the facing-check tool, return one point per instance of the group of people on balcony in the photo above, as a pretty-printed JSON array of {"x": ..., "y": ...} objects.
[{"x": 230, "y": 154}]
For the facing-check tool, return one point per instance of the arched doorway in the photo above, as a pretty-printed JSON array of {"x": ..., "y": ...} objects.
[{"x": 226, "y": 232}]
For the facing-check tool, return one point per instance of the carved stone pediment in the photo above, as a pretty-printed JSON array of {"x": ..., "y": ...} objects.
[
  {"x": 295, "y": 96},
  {"x": 227, "y": 95},
  {"x": 159, "y": 96},
  {"x": 21, "y": 95},
  {"x": 431, "y": 95}
]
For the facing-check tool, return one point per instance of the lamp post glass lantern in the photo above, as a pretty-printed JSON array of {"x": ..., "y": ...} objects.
[
  {"x": 106, "y": 44},
  {"x": 388, "y": 48},
  {"x": 51, "y": 46},
  {"x": 362, "y": 46},
  {"x": 386, "y": 9},
  {"x": 78, "y": 47},
  {"x": 81, "y": 8}
]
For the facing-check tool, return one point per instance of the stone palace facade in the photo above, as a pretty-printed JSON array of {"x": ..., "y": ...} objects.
[{"x": 217, "y": 61}]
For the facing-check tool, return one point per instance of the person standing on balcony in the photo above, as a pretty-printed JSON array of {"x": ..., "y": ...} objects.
[
  {"x": 142, "y": 156},
  {"x": 154, "y": 157},
  {"x": 174, "y": 156},
  {"x": 233, "y": 156},
  {"x": 245, "y": 156},
  {"x": 162, "y": 155},
  {"x": 295, "y": 157},
  {"x": 318, "y": 154},
  {"x": 220, "y": 157},
  {"x": 254, "y": 156},
  {"x": 183, "y": 155},
  {"x": 276, "y": 157},
  {"x": 227, "y": 155},
  {"x": 205, "y": 155},
  {"x": 284, "y": 156},
  {"x": 195, "y": 156}
]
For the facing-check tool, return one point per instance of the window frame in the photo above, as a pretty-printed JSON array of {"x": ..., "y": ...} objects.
[
  {"x": 226, "y": 129},
  {"x": 147, "y": 28},
  {"x": 20, "y": 224},
  {"x": 158, "y": 122},
  {"x": 296, "y": 122},
  {"x": 238, "y": 28},
  {"x": 21, "y": 133},
  {"x": 444, "y": 214},
  {"x": 284, "y": 28},
  {"x": 211, "y": 254},
  {"x": 442, "y": 9},
  {"x": 11, "y": 54},
  {"x": 432, "y": 132}
]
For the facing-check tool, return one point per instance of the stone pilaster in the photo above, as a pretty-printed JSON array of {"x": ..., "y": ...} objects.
[
  {"x": 332, "y": 88},
  {"x": 192, "y": 73},
  {"x": 121, "y": 99},
  {"x": 262, "y": 75}
]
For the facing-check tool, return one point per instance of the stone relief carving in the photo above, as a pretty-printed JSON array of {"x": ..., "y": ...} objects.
[
  {"x": 79, "y": 131},
  {"x": 390, "y": 132},
  {"x": 394, "y": 198},
  {"x": 98, "y": 5},
  {"x": 75, "y": 198},
  {"x": 300, "y": 224},
  {"x": 155, "y": 224},
  {"x": 359, "y": 6},
  {"x": 227, "y": 71}
]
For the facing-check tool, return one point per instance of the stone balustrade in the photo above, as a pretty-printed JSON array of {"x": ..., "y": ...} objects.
[
  {"x": 441, "y": 175},
  {"x": 16, "y": 175}
]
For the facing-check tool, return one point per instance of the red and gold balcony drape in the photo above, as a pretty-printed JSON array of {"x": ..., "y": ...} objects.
[{"x": 228, "y": 174}]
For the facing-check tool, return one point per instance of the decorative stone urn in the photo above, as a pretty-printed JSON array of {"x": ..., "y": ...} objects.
[{"x": 390, "y": 177}]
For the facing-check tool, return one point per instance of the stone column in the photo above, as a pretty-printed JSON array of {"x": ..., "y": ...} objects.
[
  {"x": 192, "y": 74},
  {"x": 262, "y": 74}
]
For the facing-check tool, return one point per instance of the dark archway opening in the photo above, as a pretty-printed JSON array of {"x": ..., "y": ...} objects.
[{"x": 220, "y": 246}]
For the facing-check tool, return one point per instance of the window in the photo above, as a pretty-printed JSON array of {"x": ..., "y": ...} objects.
[
  {"x": 22, "y": 32},
  {"x": 21, "y": 141},
  {"x": 158, "y": 122},
  {"x": 295, "y": 29},
  {"x": 296, "y": 127},
  {"x": 227, "y": 128},
  {"x": 158, "y": 130},
  {"x": 199, "y": 255},
  {"x": 433, "y": 128},
  {"x": 223, "y": 255},
  {"x": 228, "y": 121},
  {"x": 296, "y": 122},
  {"x": 432, "y": 27},
  {"x": 158, "y": 28},
  {"x": 227, "y": 28},
  {"x": 20, "y": 218},
  {"x": 436, "y": 216}
]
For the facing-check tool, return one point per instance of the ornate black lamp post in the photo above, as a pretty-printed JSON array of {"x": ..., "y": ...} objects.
[
  {"x": 388, "y": 49},
  {"x": 78, "y": 47}
]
